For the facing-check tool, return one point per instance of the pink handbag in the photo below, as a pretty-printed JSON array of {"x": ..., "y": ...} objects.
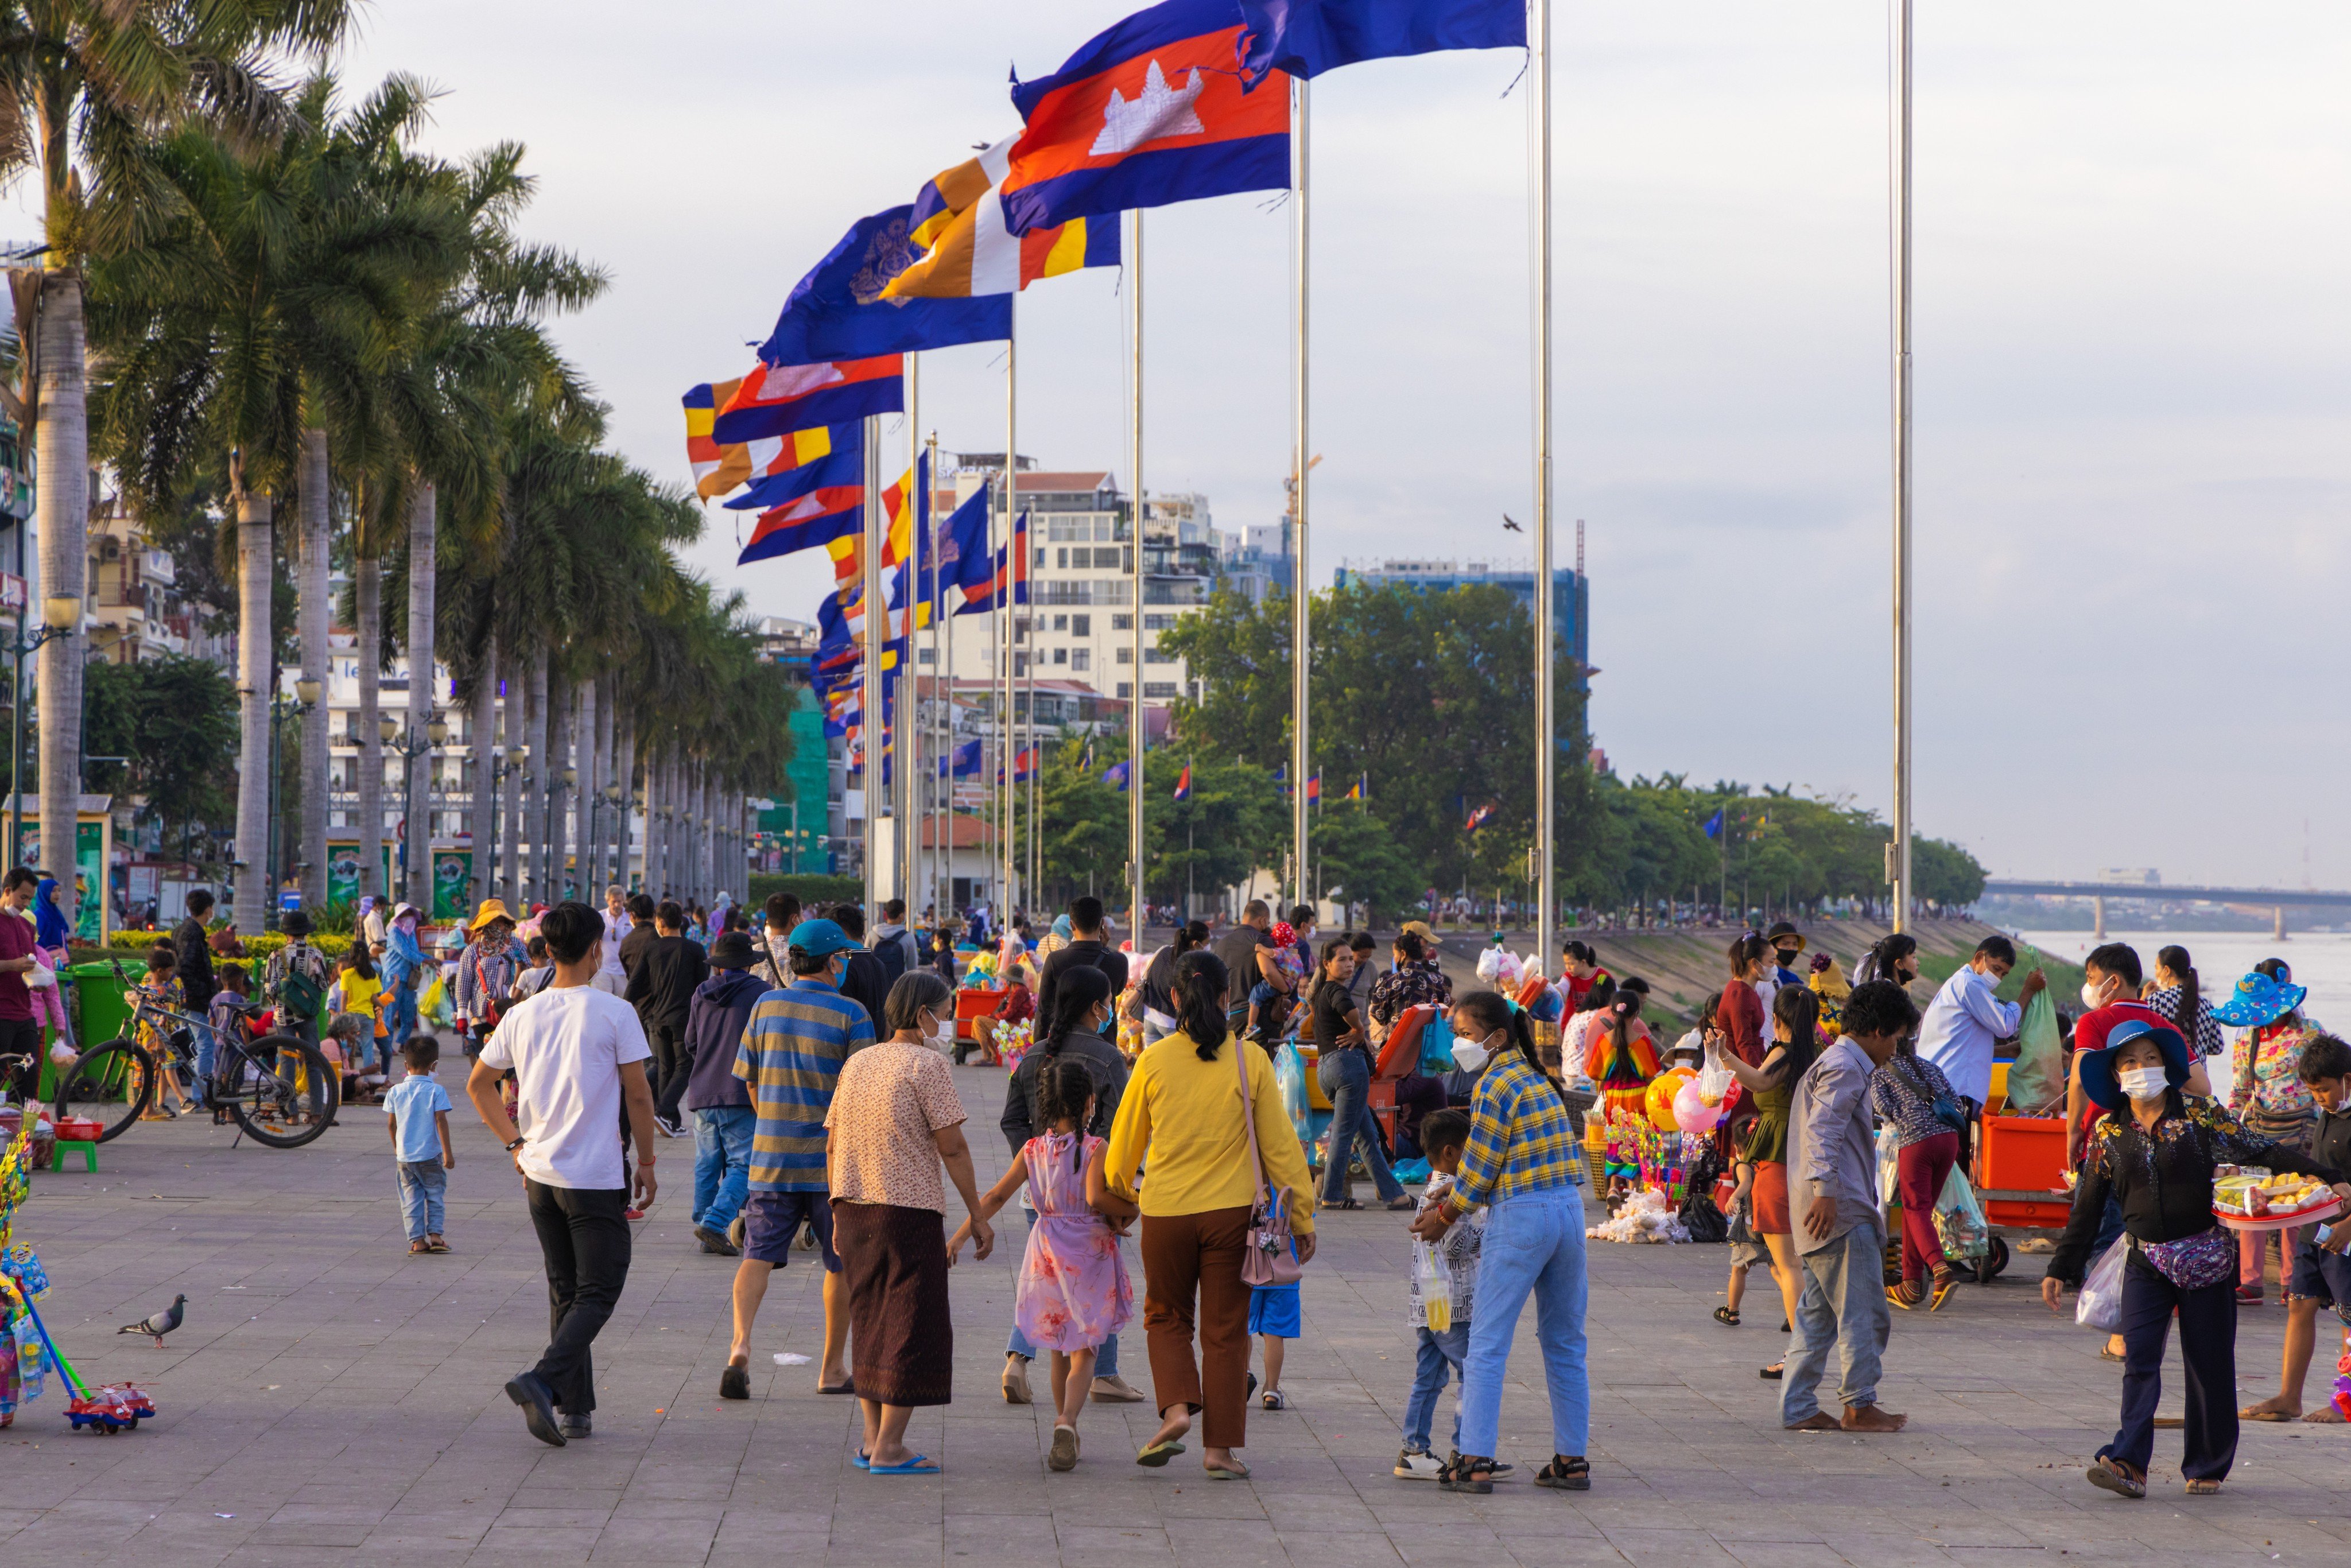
[{"x": 1271, "y": 1256}]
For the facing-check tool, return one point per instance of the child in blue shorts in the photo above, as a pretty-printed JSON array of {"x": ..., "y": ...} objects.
[{"x": 1273, "y": 1314}]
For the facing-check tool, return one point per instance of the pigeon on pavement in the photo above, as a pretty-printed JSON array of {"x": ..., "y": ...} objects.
[{"x": 161, "y": 1323}]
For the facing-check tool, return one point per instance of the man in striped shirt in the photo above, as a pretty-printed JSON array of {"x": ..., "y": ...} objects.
[{"x": 790, "y": 1058}]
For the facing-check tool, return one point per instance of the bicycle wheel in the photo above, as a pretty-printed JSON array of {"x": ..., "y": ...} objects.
[
  {"x": 112, "y": 1085},
  {"x": 290, "y": 1095}
]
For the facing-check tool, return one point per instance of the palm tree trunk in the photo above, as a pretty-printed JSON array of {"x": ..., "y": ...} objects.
[
  {"x": 485, "y": 737},
  {"x": 543, "y": 778},
  {"x": 367, "y": 592},
  {"x": 512, "y": 726},
  {"x": 312, "y": 617},
  {"x": 592, "y": 797},
  {"x": 257, "y": 679},
  {"x": 559, "y": 792},
  {"x": 61, "y": 450},
  {"x": 423, "y": 693}
]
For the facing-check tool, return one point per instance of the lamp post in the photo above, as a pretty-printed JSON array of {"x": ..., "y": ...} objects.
[
  {"x": 306, "y": 697},
  {"x": 611, "y": 795},
  {"x": 408, "y": 746},
  {"x": 60, "y": 613},
  {"x": 502, "y": 766}
]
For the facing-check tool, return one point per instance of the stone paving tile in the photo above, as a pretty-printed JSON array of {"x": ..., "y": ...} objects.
[{"x": 341, "y": 1400}]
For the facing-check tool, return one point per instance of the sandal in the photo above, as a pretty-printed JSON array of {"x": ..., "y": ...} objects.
[
  {"x": 435, "y": 1244},
  {"x": 1726, "y": 1317},
  {"x": 419, "y": 1246},
  {"x": 1399, "y": 1205},
  {"x": 1344, "y": 1203},
  {"x": 1468, "y": 1472},
  {"x": 2202, "y": 1488},
  {"x": 2115, "y": 1477},
  {"x": 1947, "y": 1280},
  {"x": 1771, "y": 1373},
  {"x": 1273, "y": 1399},
  {"x": 1565, "y": 1474},
  {"x": 1909, "y": 1295}
]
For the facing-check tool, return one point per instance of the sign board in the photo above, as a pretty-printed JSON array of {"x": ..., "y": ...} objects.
[{"x": 16, "y": 593}]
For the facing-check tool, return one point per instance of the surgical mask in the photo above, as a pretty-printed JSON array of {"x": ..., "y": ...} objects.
[
  {"x": 1470, "y": 1055},
  {"x": 2142, "y": 1082},
  {"x": 942, "y": 1033},
  {"x": 2093, "y": 997}
]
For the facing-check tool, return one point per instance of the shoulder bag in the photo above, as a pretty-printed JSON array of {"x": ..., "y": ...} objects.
[{"x": 1270, "y": 1257}]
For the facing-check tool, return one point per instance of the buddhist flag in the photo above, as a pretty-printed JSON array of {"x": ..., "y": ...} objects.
[
  {"x": 784, "y": 468},
  {"x": 1362, "y": 790},
  {"x": 960, "y": 218},
  {"x": 899, "y": 504},
  {"x": 721, "y": 466}
]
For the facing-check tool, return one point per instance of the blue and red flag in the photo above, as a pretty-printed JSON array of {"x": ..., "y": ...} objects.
[
  {"x": 843, "y": 465},
  {"x": 965, "y": 760},
  {"x": 837, "y": 311},
  {"x": 1183, "y": 783},
  {"x": 817, "y": 518},
  {"x": 984, "y": 590},
  {"x": 1117, "y": 775},
  {"x": 1314, "y": 788},
  {"x": 780, "y": 396},
  {"x": 1479, "y": 818},
  {"x": 1149, "y": 112},
  {"x": 1307, "y": 37}
]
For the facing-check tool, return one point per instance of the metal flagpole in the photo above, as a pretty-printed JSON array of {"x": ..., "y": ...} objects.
[
  {"x": 1301, "y": 647},
  {"x": 930, "y": 877},
  {"x": 1546, "y": 717},
  {"x": 1898, "y": 853},
  {"x": 1135, "y": 622},
  {"x": 1003, "y": 789},
  {"x": 876, "y": 628},
  {"x": 909, "y": 702}
]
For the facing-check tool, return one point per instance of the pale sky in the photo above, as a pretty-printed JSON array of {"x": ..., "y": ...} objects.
[{"x": 2133, "y": 448}]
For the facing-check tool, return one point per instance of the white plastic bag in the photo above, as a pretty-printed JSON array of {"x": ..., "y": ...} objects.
[
  {"x": 2101, "y": 1306},
  {"x": 1713, "y": 1082},
  {"x": 1889, "y": 1164}
]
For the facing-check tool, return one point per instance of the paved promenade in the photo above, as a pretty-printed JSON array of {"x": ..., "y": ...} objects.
[{"x": 332, "y": 1400}]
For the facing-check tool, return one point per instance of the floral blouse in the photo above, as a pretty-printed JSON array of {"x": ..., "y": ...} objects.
[
  {"x": 2268, "y": 1087},
  {"x": 1409, "y": 985}
]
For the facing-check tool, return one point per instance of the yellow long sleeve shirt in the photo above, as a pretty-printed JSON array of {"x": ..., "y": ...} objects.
[{"x": 1186, "y": 1114}]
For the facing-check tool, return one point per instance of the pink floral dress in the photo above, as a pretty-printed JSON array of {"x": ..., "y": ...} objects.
[{"x": 1074, "y": 1291}]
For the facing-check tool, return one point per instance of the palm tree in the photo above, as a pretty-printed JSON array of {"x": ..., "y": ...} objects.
[{"x": 81, "y": 84}]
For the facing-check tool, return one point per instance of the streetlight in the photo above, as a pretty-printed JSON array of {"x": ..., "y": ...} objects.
[
  {"x": 60, "y": 613},
  {"x": 408, "y": 746},
  {"x": 503, "y": 767},
  {"x": 305, "y": 698}
]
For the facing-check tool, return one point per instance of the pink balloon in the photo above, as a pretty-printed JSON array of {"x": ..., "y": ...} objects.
[{"x": 1694, "y": 1114}]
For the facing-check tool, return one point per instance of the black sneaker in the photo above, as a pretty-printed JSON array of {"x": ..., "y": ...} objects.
[{"x": 715, "y": 1244}]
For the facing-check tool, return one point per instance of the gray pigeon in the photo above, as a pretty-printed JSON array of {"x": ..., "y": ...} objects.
[{"x": 161, "y": 1323}]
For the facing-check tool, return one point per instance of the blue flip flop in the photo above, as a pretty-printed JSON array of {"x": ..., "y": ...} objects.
[
  {"x": 920, "y": 1465},
  {"x": 861, "y": 1461}
]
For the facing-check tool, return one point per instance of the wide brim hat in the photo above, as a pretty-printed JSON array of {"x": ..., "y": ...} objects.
[
  {"x": 2259, "y": 1000},
  {"x": 1783, "y": 928},
  {"x": 491, "y": 909},
  {"x": 2098, "y": 1080}
]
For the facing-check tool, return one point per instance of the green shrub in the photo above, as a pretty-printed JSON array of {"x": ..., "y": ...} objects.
[{"x": 808, "y": 887}]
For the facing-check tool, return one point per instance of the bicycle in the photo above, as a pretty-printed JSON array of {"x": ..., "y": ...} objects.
[{"x": 279, "y": 1088}]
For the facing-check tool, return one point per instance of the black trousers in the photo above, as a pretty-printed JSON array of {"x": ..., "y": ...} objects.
[
  {"x": 2208, "y": 1349},
  {"x": 585, "y": 1242},
  {"x": 673, "y": 1063}
]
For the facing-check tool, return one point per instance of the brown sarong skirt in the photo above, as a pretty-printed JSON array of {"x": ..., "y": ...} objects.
[{"x": 894, "y": 1260}]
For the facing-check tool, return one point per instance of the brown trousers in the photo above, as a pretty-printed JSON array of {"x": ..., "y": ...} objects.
[{"x": 1184, "y": 1254}]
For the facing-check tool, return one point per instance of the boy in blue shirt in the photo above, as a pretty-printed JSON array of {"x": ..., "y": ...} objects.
[{"x": 418, "y": 1110}]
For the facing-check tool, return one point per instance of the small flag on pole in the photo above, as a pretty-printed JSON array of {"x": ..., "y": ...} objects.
[
  {"x": 1362, "y": 790},
  {"x": 1116, "y": 777},
  {"x": 1183, "y": 783},
  {"x": 1478, "y": 819},
  {"x": 1713, "y": 825},
  {"x": 1314, "y": 788}
]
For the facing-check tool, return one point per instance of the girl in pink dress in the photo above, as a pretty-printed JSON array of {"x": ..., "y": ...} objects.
[{"x": 1072, "y": 1292}]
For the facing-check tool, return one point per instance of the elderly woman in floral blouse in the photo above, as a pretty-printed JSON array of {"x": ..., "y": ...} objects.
[{"x": 1414, "y": 979}]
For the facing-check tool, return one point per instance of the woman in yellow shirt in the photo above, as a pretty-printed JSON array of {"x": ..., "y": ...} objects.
[
  {"x": 1181, "y": 1116},
  {"x": 363, "y": 994}
]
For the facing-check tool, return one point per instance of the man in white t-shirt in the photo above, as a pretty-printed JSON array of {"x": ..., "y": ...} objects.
[
  {"x": 578, "y": 1054},
  {"x": 617, "y": 924}
]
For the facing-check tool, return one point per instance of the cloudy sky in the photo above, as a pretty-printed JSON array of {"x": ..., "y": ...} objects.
[{"x": 2133, "y": 447}]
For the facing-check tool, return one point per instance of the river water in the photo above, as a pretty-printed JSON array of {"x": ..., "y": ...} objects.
[{"x": 2320, "y": 959}]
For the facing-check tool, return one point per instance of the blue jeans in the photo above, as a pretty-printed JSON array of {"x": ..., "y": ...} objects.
[
  {"x": 1843, "y": 1309},
  {"x": 206, "y": 1044},
  {"x": 1533, "y": 1245},
  {"x": 722, "y": 1164},
  {"x": 1346, "y": 1078},
  {"x": 1106, "y": 1355},
  {"x": 422, "y": 1183},
  {"x": 1440, "y": 1354},
  {"x": 399, "y": 1020}
]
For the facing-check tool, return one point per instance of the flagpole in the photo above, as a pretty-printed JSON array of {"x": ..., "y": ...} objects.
[
  {"x": 927, "y": 869},
  {"x": 1546, "y": 719},
  {"x": 1302, "y": 649},
  {"x": 1006, "y": 765},
  {"x": 1898, "y": 852},
  {"x": 910, "y": 696},
  {"x": 876, "y": 629},
  {"x": 946, "y": 611},
  {"x": 1134, "y": 622}
]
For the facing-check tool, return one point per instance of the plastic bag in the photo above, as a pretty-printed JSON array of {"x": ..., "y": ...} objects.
[
  {"x": 1437, "y": 1047},
  {"x": 1889, "y": 1160},
  {"x": 1960, "y": 1222},
  {"x": 1410, "y": 1173},
  {"x": 2101, "y": 1306},
  {"x": 1713, "y": 1082},
  {"x": 1432, "y": 1288},
  {"x": 434, "y": 1006},
  {"x": 2036, "y": 1079},
  {"x": 1290, "y": 1077}
]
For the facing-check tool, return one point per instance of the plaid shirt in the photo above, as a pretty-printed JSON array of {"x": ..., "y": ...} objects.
[{"x": 1522, "y": 1138}]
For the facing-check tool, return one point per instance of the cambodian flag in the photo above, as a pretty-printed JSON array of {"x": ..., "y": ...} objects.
[
  {"x": 781, "y": 397},
  {"x": 818, "y": 518},
  {"x": 1183, "y": 783},
  {"x": 1149, "y": 112},
  {"x": 1479, "y": 818},
  {"x": 1314, "y": 788},
  {"x": 1307, "y": 37}
]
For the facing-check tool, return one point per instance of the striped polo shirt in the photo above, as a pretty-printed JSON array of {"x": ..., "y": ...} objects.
[{"x": 790, "y": 1058}]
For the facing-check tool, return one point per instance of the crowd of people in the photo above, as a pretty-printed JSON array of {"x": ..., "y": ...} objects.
[{"x": 810, "y": 1062}]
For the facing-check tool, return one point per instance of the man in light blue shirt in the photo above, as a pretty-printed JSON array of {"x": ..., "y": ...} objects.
[
  {"x": 1967, "y": 1017},
  {"x": 417, "y": 1113}
]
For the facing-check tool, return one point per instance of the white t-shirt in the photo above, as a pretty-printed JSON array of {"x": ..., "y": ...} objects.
[
  {"x": 566, "y": 1047},
  {"x": 616, "y": 927}
]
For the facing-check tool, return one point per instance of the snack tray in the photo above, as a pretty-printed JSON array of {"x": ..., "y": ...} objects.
[{"x": 2275, "y": 1221}]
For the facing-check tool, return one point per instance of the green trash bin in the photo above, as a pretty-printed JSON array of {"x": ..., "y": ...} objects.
[{"x": 95, "y": 1002}]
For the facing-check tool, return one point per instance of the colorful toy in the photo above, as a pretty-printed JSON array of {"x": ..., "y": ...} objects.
[
  {"x": 1692, "y": 1113},
  {"x": 1660, "y": 1099}
]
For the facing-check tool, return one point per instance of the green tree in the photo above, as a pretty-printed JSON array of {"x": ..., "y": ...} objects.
[
  {"x": 1085, "y": 823},
  {"x": 1948, "y": 877},
  {"x": 175, "y": 720},
  {"x": 1229, "y": 827},
  {"x": 1358, "y": 860}
]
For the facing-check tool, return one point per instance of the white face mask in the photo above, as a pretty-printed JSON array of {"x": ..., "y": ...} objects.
[
  {"x": 2142, "y": 1082},
  {"x": 1470, "y": 1055},
  {"x": 942, "y": 1033},
  {"x": 2093, "y": 997}
]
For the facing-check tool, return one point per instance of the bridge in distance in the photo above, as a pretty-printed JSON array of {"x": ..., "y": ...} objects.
[{"x": 2277, "y": 900}]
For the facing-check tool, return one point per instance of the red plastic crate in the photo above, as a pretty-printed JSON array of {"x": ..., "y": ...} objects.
[
  {"x": 78, "y": 1130},
  {"x": 2019, "y": 1170}
]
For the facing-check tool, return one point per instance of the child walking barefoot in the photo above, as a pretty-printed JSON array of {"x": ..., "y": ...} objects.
[{"x": 1074, "y": 1291}]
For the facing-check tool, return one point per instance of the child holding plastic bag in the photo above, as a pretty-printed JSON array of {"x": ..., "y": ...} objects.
[{"x": 1444, "y": 1282}]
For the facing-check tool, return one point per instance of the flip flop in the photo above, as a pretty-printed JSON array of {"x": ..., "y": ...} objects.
[
  {"x": 861, "y": 1461},
  {"x": 920, "y": 1465},
  {"x": 1223, "y": 1473},
  {"x": 1157, "y": 1454}
]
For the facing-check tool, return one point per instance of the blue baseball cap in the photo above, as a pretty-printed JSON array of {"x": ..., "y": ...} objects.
[{"x": 820, "y": 939}]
